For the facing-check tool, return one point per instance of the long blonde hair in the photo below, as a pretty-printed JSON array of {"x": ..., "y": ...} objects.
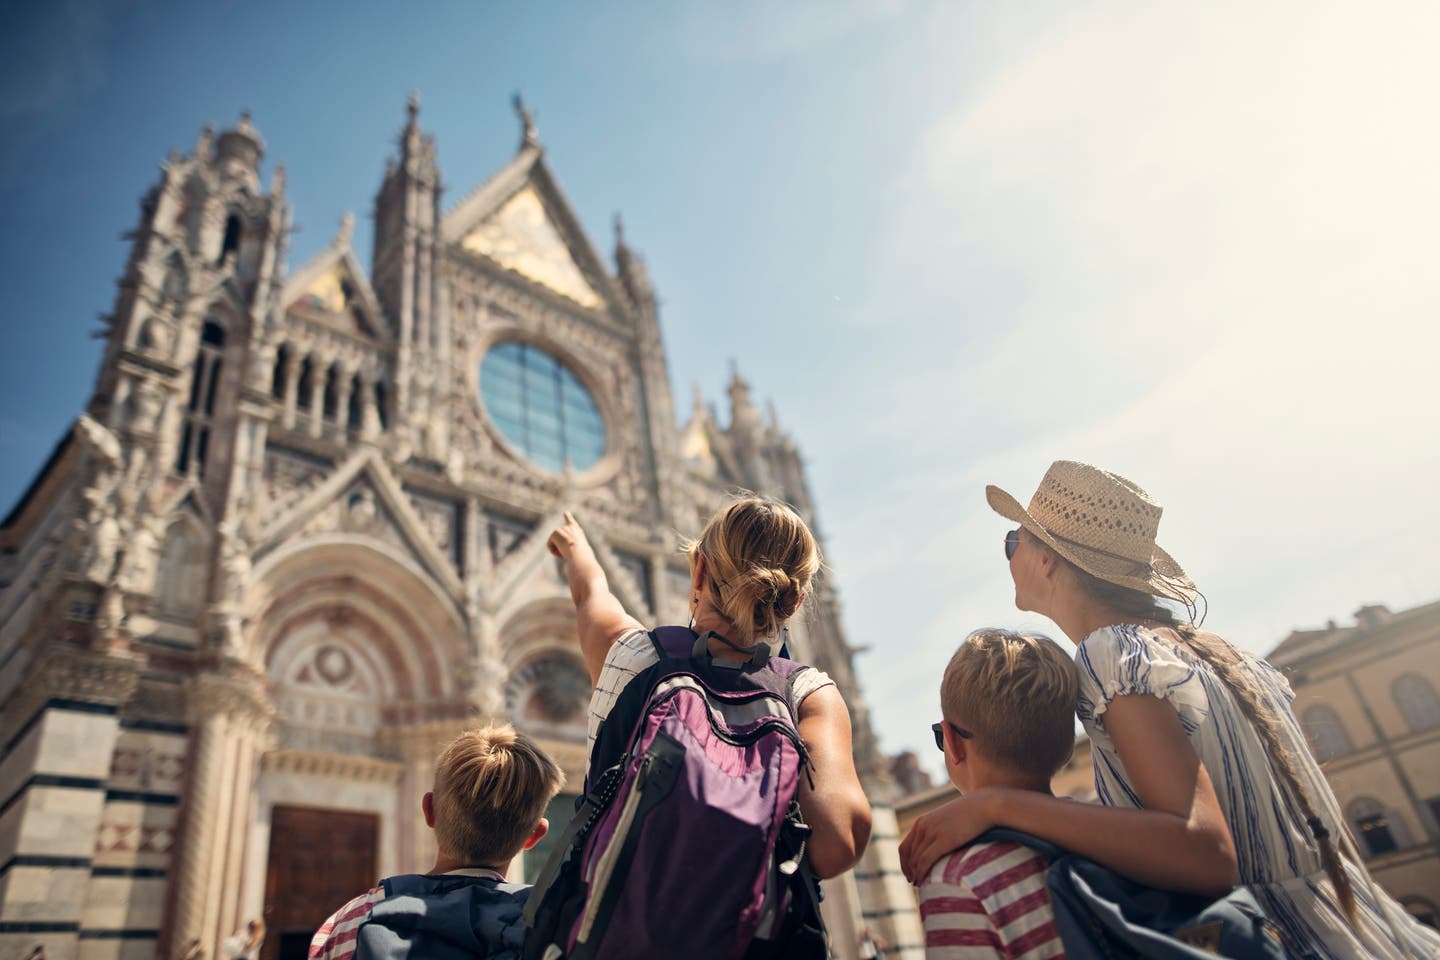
[
  {"x": 1224, "y": 660},
  {"x": 759, "y": 560}
]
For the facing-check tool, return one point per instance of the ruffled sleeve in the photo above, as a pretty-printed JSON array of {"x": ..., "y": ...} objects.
[{"x": 1124, "y": 660}]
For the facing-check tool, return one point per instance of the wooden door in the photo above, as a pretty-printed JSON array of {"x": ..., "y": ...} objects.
[{"x": 318, "y": 860}]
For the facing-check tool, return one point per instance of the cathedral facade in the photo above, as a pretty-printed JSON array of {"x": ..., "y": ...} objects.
[{"x": 297, "y": 542}]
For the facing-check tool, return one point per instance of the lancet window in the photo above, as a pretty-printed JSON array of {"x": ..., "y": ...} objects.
[{"x": 200, "y": 407}]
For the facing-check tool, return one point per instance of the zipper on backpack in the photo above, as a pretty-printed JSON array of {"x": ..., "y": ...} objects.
[
  {"x": 605, "y": 866},
  {"x": 787, "y": 729}
]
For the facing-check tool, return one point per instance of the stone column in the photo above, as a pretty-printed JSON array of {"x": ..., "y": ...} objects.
[
  {"x": 342, "y": 400},
  {"x": 319, "y": 373},
  {"x": 230, "y": 717},
  {"x": 369, "y": 413},
  {"x": 292, "y": 387}
]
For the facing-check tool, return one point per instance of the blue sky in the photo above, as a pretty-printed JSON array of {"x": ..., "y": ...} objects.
[{"x": 953, "y": 242}]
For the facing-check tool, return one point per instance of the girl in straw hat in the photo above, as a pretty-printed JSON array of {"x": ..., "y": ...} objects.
[{"x": 1204, "y": 776}]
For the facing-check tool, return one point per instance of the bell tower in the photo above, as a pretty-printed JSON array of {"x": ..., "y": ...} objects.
[{"x": 206, "y": 258}]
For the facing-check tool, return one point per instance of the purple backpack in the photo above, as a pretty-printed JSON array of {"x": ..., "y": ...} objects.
[{"x": 689, "y": 840}]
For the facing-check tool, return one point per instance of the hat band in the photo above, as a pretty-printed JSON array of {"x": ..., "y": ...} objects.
[{"x": 1141, "y": 565}]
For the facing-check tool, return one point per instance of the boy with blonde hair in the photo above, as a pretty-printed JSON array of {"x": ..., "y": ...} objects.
[
  {"x": 1008, "y": 701},
  {"x": 488, "y": 804}
]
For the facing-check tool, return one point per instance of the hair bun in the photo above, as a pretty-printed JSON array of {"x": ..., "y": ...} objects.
[{"x": 776, "y": 590}]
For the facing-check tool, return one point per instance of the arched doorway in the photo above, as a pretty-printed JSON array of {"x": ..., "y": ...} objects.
[{"x": 368, "y": 663}]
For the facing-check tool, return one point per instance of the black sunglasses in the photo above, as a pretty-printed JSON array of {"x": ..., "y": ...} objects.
[
  {"x": 938, "y": 727},
  {"x": 1012, "y": 543}
]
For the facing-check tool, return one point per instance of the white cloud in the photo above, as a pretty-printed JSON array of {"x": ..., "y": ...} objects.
[{"x": 1195, "y": 243}]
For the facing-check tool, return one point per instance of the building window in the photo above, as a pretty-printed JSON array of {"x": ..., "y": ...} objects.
[
  {"x": 540, "y": 406},
  {"x": 277, "y": 380},
  {"x": 1372, "y": 826},
  {"x": 331, "y": 402},
  {"x": 200, "y": 408},
  {"x": 231, "y": 243},
  {"x": 1327, "y": 735},
  {"x": 1417, "y": 701},
  {"x": 382, "y": 404},
  {"x": 355, "y": 416},
  {"x": 305, "y": 384}
]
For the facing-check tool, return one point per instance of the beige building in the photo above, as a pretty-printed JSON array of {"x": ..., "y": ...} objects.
[
  {"x": 297, "y": 542},
  {"x": 1366, "y": 696}
]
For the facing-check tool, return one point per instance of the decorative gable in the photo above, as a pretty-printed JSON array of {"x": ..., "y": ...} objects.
[
  {"x": 334, "y": 295},
  {"x": 521, "y": 236}
]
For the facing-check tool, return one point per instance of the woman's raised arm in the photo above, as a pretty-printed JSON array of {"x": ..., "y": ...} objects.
[{"x": 600, "y": 618}]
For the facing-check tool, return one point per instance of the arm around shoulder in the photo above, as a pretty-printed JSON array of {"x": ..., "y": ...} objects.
[{"x": 835, "y": 805}]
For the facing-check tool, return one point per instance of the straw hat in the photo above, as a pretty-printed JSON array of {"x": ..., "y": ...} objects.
[{"x": 1102, "y": 523}]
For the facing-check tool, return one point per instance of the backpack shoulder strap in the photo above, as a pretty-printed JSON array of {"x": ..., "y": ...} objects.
[{"x": 673, "y": 641}]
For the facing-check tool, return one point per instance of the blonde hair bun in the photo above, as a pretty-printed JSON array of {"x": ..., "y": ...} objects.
[{"x": 760, "y": 558}]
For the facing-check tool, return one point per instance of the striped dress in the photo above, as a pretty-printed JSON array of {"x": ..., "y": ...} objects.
[
  {"x": 986, "y": 901},
  {"x": 1272, "y": 842}
]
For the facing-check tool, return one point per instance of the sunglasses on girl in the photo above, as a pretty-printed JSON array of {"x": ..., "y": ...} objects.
[
  {"x": 938, "y": 728},
  {"x": 1012, "y": 543}
]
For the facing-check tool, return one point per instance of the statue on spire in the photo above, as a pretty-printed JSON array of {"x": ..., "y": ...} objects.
[
  {"x": 529, "y": 136},
  {"x": 347, "y": 229}
]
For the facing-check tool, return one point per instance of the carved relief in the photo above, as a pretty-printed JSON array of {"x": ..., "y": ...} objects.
[
  {"x": 115, "y": 838},
  {"x": 145, "y": 406},
  {"x": 142, "y": 556},
  {"x": 288, "y": 475},
  {"x": 440, "y": 518},
  {"x": 142, "y": 766},
  {"x": 504, "y": 535},
  {"x": 552, "y": 690},
  {"x": 329, "y": 701}
]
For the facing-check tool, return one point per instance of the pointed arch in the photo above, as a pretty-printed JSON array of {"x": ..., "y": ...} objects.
[
  {"x": 415, "y": 632},
  {"x": 182, "y": 573}
]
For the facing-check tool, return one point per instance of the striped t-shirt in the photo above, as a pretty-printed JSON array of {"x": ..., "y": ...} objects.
[{"x": 989, "y": 900}]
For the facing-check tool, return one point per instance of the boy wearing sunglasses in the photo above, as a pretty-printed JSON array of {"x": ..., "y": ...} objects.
[{"x": 1008, "y": 702}]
